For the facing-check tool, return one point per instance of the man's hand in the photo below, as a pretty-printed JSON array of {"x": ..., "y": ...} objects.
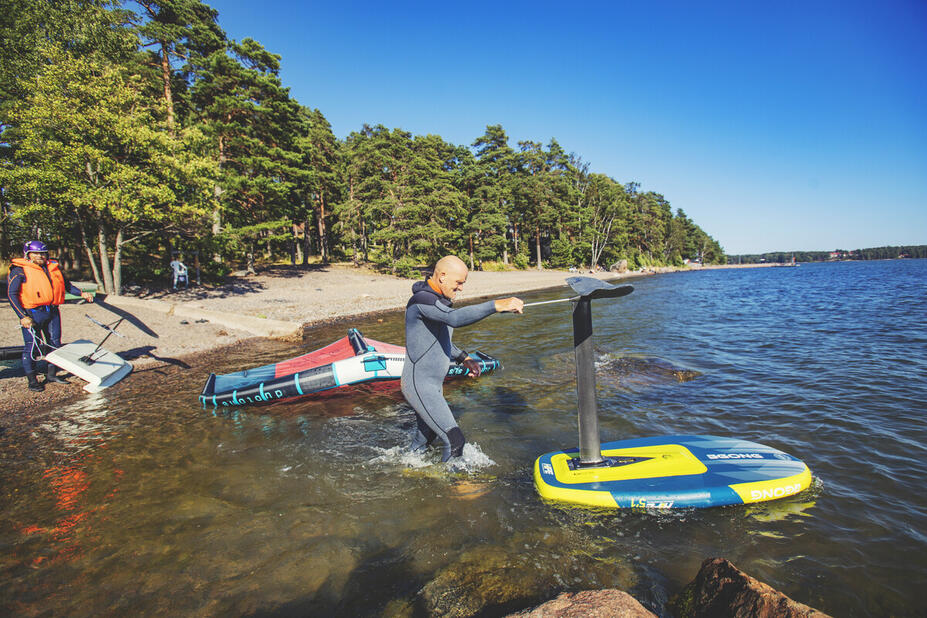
[
  {"x": 87, "y": 296},
  {"x": 473, "y": 366},
  {"x": 26, "y": 321},
  {"x": 512, "y": 305}
]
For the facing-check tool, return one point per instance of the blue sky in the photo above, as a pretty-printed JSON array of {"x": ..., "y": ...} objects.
[{"x": 775, "y": 126}]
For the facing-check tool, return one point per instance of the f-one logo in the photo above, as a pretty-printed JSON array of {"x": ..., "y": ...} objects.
[
  {"x": 653, "y": 504},
  {"x": 734, "y": 456},
  {"x": 546, "y": 468},
  {"x": 775, "y": 492}
]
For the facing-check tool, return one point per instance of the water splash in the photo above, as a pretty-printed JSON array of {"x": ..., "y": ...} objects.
[
  {"x": 471, "y": 461},
  {"x": 404, "y": 457}
]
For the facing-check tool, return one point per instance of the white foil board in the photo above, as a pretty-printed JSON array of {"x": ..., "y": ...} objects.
[{"x": 106, "y": 369}]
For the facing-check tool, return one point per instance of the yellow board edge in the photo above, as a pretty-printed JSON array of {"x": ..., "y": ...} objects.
[
  {"x": 575, "y": 496},
  {"x": 761, "y": 491}
]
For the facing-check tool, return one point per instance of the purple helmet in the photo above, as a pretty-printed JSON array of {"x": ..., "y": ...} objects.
[{"x": 34, "y": 246}]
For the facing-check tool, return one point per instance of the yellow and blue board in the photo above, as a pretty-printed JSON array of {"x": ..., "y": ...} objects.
[{"x": 672, "y": 472}]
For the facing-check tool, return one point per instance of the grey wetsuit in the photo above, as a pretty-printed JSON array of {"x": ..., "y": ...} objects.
[{"x": 430, "y": 321}]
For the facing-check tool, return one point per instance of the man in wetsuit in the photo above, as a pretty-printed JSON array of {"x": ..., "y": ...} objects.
[
  {"x": 430, "y": 320},
  {"x": 35, "y": 287}
]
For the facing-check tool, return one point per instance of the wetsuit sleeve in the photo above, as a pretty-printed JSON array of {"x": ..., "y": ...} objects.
[
  {"x": 13, "y": 287},
  {"x": 457, "y": 354},
  {"x": 456, "y": 318}
]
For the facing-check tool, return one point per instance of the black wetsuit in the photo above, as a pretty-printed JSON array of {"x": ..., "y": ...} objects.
[{"x": 430, "y": 321}]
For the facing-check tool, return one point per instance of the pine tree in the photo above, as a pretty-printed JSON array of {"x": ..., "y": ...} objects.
[
  {"x": 321, "y": 184},
  {"x": 434, "y": 214},
  {"x": 182, "y": 30},
  {"x": 254, "y": 124},
  {"x": 489, "y": 190},
  {"x": 542, "y": 189}
]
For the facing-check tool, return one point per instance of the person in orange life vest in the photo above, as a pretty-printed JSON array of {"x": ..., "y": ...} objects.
[{"x": 36, "y": 286}]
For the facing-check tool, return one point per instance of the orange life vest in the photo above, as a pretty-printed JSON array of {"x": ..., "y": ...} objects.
[{"x": 39, "y": 290}]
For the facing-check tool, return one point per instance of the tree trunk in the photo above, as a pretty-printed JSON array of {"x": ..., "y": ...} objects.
[
  {"x": 537, "y": 246},
  {"x": 108, "y": 284},
  {"x": 323, "y": 240},
  {"x": 306, "y": 227},
  {"x": 365, "y": 245},
  {"x": 296, "y": 249},
  {"x": 355, "y": 233},
  {"x": 168, "y": 242},
  {"x": 217, "y": 193},
  {"x": 168, "y": 96},
  {"x": 471, "y": 251},
  {"x": 86, "y": 245},
  {"x": 292, "y": 246},
  {"x": 117, "y": 264}
]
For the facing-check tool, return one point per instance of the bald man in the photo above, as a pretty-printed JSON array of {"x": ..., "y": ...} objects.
[{"x": 430, "y": 321}]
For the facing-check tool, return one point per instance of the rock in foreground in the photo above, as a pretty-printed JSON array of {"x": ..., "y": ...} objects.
[
  {"x": 589, "y": 604},
  {"x": 721, "y": 589}
]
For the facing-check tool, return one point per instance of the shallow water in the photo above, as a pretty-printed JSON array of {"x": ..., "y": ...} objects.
[{"x": 137, "y": 500}]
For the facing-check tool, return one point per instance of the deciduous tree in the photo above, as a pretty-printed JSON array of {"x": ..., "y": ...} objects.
[{"x": 89, "y": 149}]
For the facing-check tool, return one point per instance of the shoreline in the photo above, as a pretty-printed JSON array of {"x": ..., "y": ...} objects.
[{"x": 158, "y": 328}]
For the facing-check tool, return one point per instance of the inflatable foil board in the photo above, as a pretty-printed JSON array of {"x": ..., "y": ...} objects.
[
  {"x": 672, "y": 472},
  {"x": 98, "y": 367},
  {"x": 351, "y": 361}
]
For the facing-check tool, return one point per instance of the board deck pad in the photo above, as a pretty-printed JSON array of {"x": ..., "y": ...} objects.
[
  {"x": 106, "y": 369},
  {"x": 672, "y": 472}
]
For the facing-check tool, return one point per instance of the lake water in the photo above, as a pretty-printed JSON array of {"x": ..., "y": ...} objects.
[{"x": 138, "y": 501}]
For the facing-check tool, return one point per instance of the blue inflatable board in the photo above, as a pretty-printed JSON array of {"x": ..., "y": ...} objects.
[{"x": 672, "y": 472}]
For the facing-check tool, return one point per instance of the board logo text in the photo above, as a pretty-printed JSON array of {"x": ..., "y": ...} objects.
[
  {"x": 734, "y": 456},
  {"x": 775, "y": 492}
]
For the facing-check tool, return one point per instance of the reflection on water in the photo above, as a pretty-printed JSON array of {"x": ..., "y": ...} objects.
[
  {"x": 615, "y": 371},
  {"x": 137, "y": 500}
]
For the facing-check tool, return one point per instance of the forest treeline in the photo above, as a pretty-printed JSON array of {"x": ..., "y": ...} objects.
[
  {"x": 130, "y": 131},
  {"x": 873, "y": 253}
]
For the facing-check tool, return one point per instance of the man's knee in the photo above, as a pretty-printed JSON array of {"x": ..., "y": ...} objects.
[{"x": 456, "y": 438}]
